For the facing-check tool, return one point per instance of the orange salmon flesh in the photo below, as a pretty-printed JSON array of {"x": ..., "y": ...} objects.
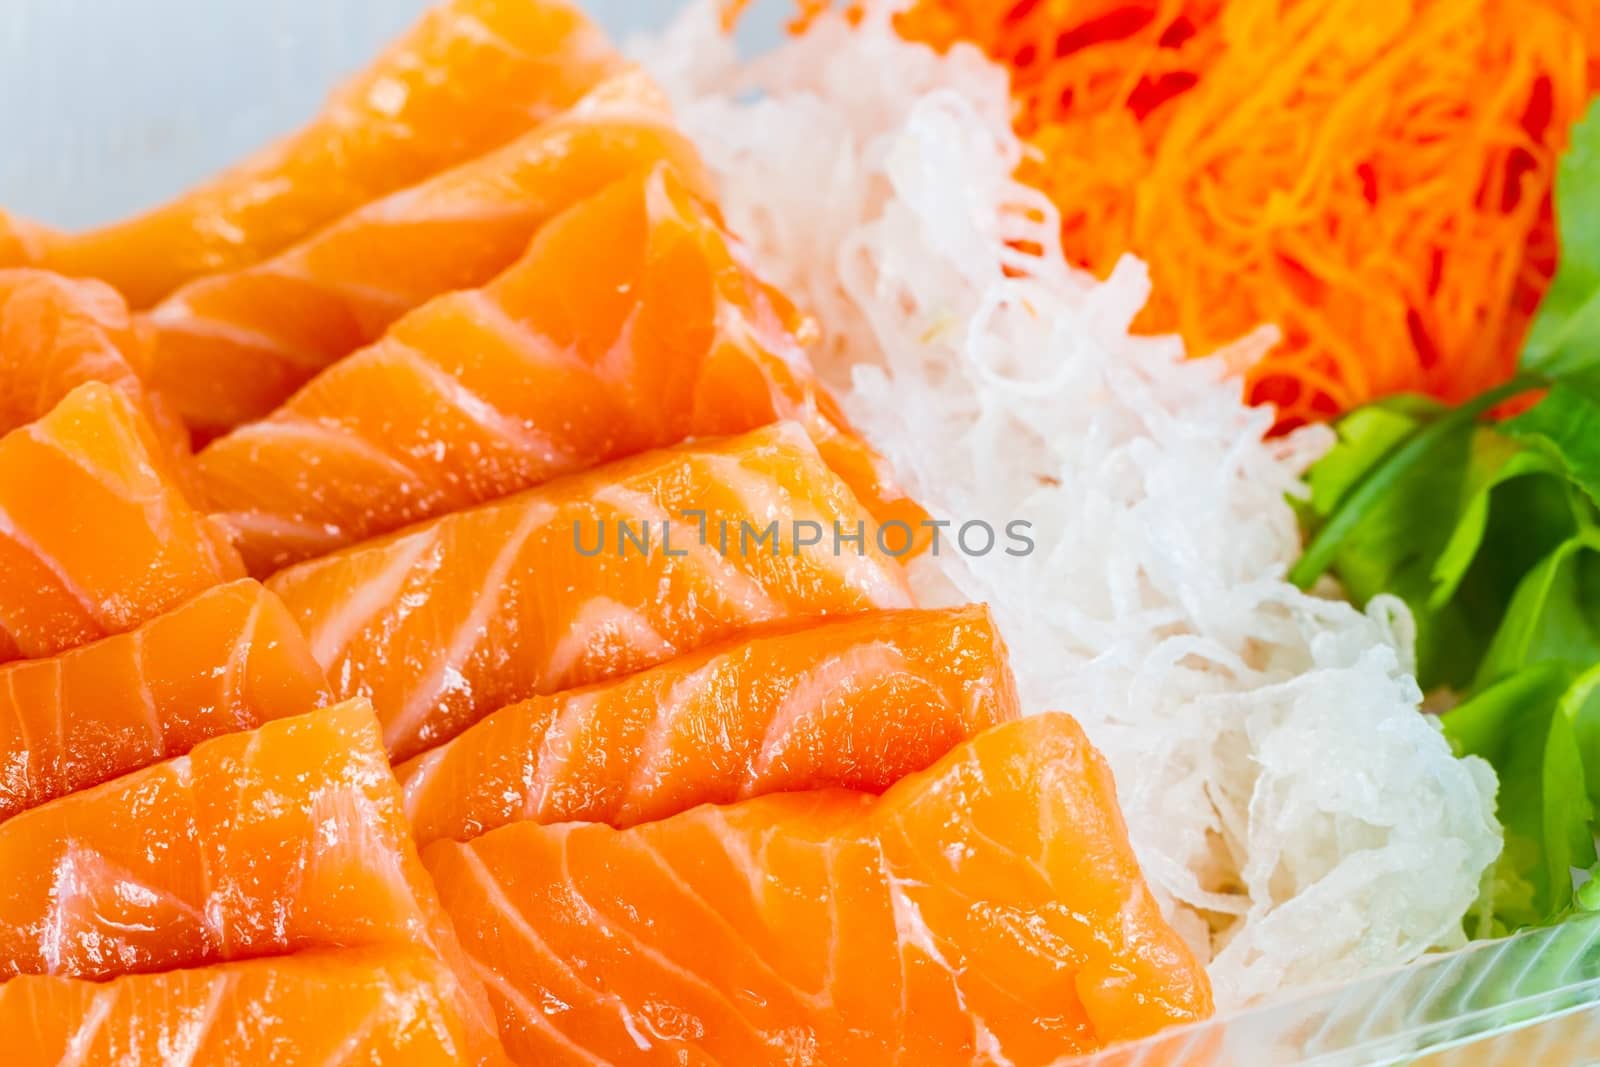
[
  {"x": 286, "y": 837},
  {"x": 468, "y": 77},
  {"x": 629, "y": 325},
  {"x": 231, "y": 347},
  {"x": 228, "y": 660},
  {"x": 444, "y": 619},
  {"x": 355, "y": 1006},
  {"x": 96, "y": 535},
  {"x": 447, "y": 621},
  {"x": 859, "y": 703},
  {"x": 989, "y": 907}
]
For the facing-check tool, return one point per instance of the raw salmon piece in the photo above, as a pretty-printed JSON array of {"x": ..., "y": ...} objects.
[
  {"x": 21, "y": 242},
  {"x": 465, "y": 614},
  {"x": 315, "y": 1009},
  {"x": 95, "y": 535},
  {"x": 630, "y": 324},
  {"x": 471, "y": 75},
  {"x": 230, "y": 659},
  {"x": 859, "y": 703},
  {"x": 56, "y": 333},
  {"x": 288, "y": 837},
  {"x": 232, "y": 347},
  {"x": 989, "y": 909}
]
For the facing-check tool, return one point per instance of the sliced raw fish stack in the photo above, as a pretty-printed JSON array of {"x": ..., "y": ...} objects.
[
  {"x": 471, "y": 75},
  {"x": 230, "y": 659},
  {"x": 231, "y": 347},
  {"x": 286, "y": 837},
  {"x": 988, "y": 909},
  {"x": 857, "y": 703},
  {"x": 549, "y": 505},
  {"x": 630, "y": 324},
  {"x": 57, "y": 333},
  {"x": 96, "y": 535},
  {"x": 452, "y": 619},
  {"x": 370, "y": 1006}
]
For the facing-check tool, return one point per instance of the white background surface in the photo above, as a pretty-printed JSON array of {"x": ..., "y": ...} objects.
[{"x": 107, "y": 106}]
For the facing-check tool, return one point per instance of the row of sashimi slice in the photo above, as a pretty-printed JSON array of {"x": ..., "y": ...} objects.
[{"x": 330, "y": 743}]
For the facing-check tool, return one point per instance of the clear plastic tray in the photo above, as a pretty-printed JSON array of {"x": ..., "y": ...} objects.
[
  {"x": 1531, "y": 1000},
  {"x": 107, "y": 107}
]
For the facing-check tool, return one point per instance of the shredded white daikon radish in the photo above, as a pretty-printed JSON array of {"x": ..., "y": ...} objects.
[{"x": 1299, "y": 817}]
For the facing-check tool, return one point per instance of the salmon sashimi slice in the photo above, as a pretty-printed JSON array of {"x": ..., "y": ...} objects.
[
  {"x": 230, "y": 659},
  {"x": 471, "y": 75},
  {"x": 452, "y": 619},
  {"x": 96, "y": 535},
  {"x": 56, "y": 333},
  {"x": 232, "y": 347},
  {"x": 630, "y": 324},
  {"x": 988, "y": 909},
  {"x": 288, "y": 837},
  {"x": 313, "y": 1009},
  {"x": 859, "y": 703},
  {"x": 21, "y": 242}
]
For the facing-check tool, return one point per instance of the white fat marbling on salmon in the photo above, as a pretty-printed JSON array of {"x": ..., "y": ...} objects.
[
  {"x": 81, "y": 1043},
  {"x": 297, "y": 434},
  {"x": 546, "y": 768},
  {"x": 604, "y": 622},
  {"x": 653, "y": 758},
  {"x": 147, "y": 696},
  {"x": 331, "y": 632},
  {"x": 518, "y": 434},
  {"x": 517, "y": 923},
  {"x": 835, "y": 675},
  {"x": 877, "y": 577},
  {"x": 72, "y": 927},
  {"x": 456, "y": 647},
  {"x": 175, "y": 316},
  {"x": 88, "y": 604},
  {"x": 739, "y": 589},
  {"x": 192, "y": 1032},
  {"x": 622, "y": 930}
]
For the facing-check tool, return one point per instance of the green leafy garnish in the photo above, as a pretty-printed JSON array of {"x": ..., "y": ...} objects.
[
  {"x": 1490, "y": 531},
  {"x": 1554, "y": 615},
  {"x": 1543, "y": 517},
  {"x": 1423, "y": 537},
  {"x": 1564, "y": 427},
  {"x": 1420, "y": 456},
  {"x": 1520, "y": 727},
  {"x": 1565, "y": 336}
]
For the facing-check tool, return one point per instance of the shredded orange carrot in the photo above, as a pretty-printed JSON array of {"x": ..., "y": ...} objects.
[{"x": 1372, "y": 176}]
